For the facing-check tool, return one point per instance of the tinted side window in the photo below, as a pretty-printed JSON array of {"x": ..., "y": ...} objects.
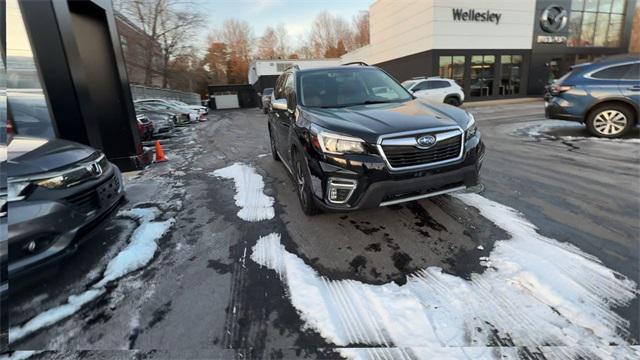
[
  {"x": 290, "y": 91},
  {"x": 438, "y": 84},
  {"x": 279, "y": 89},
  {"x": 421, "y": 86},
  {"x": 633, "y": 73},
  {"x": 613, "y": 73}
]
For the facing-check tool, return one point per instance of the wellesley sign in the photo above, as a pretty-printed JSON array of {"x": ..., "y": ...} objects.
[{"x": 475, "y": 15}]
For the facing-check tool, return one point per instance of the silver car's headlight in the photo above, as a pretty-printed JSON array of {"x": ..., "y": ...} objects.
[
  {"x": 336, "y": 144},
  {"x": 471, "y": 128}
]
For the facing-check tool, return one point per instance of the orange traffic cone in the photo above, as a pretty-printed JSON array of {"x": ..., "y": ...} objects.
[{"x": 159, "y": 152}]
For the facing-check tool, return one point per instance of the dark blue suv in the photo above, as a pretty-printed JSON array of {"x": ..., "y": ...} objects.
[{"x": 605, "y": 95}]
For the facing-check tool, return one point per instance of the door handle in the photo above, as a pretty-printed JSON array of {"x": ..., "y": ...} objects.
[{"x": 634, "y": 88}]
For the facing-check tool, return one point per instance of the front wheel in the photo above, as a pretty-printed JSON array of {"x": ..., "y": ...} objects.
[
  {"x": 610, "y": 121},
  {"x": 303, "y": 184}
]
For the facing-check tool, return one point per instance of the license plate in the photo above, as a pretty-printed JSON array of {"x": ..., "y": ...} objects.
[{"x": 108, "y": 191}]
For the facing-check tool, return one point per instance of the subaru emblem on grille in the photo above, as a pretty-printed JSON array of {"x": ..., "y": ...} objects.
[
  {"x": 96, "y": 169},
  {"x": 426, "y": 141}
]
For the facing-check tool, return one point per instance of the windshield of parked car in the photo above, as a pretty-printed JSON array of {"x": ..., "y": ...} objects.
[
  {"x": 349, "y": 87},
  {"x": 409, "y": 83},
  {"x": 268, "y": 91}
]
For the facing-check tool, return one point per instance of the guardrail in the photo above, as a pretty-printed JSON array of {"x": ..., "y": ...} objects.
[{"x": 147, "y": 92}]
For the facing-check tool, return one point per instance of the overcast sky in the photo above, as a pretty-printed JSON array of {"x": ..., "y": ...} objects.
[{"x": 297, "y": 15}]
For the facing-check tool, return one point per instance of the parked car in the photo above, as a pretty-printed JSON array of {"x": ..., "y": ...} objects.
[
  {"x": 193, "y": 115},
  {"x": 604, "y": 95},
  {"x": 58, "y": 192},
  {"x": 349, "y": 148},
  {"x": 145, "y": 127},
  {"x": 202, "y": 110},
  {"x": 436, "y": 89},
  {"x": 163, "y": 122},
  {"x": 266, "y": 99},
  {"x": 181, "y": 117}
]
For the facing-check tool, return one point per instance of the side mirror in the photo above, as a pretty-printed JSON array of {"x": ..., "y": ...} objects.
[{"x": 279, "y": 104}]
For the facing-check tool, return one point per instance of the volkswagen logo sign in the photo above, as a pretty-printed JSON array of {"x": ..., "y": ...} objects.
[
  {"x": 426, "y": 141},
  {"x": 95, "y": 169},
  {"x": 553, "y": 18}
]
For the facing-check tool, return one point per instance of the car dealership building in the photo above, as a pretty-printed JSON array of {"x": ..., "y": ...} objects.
[{"x": 493, "y": 48}]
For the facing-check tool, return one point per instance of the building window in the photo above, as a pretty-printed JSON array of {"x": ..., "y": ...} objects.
[
  {"x": 482, "y": 75},
  {"x": 596, "y": 23},
  {"x": 452, "y": 67},
  {"x": 511, "y": 73}
]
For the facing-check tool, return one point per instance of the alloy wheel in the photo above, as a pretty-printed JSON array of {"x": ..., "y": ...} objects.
[{"x": 610, "y": 122}]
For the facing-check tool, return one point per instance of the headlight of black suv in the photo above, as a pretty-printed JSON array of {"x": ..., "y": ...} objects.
[
  {"x": 471, "y": 128},
  {"x": 336, "y": 144},
  {"x": 18, "y": 188}
]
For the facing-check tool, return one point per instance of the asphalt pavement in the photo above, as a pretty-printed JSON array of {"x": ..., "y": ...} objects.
[{"x": 204, "y": 296}]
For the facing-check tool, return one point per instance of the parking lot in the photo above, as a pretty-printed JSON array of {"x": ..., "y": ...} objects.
[{"x": 503, "y": 272}]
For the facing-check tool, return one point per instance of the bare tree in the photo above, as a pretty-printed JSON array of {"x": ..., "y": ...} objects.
[
  {"x": 361, "y": 26},
  {"x": 283, "y": 41},
  {"x": 169, "y": 23},
  {"x": 326, "y": 32},
  {"x": 268, "y": 44},
  {"x": 237, "y": 36}
]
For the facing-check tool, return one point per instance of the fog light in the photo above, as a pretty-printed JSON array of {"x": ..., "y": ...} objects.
[{"x": 340, "y": 190}]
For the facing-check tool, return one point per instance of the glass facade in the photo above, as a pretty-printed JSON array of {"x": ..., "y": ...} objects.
[
  {"x": 511, "y": 74},
  {"x": 596, "y": 23},
  {"x": 486, "y": 75},
  {"x": 483, "y": 72},
  {"x": 452, "y": 67}
]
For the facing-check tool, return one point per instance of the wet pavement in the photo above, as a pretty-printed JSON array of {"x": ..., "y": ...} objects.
[{"x": 203, "y": 296}]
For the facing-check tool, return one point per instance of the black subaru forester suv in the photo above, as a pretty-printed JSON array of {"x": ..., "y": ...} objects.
[{"x": 354, "y": 138}]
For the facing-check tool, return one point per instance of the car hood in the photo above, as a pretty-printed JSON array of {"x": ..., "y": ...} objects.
[
  {"x": 370, "y": 121},
  {"x": 30, "y": 155}
]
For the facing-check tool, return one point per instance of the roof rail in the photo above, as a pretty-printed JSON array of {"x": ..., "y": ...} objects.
[
  {"x": 418, "y": 77},
  {"x": 361, "y": 63}
]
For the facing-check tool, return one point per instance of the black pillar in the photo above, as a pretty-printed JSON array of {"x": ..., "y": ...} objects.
[{"x": 77, "y": 49}]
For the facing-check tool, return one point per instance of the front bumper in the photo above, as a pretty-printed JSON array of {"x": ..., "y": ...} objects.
[
  {"x": 377, "y": 186},
  {"x": 59, "y": 220}
]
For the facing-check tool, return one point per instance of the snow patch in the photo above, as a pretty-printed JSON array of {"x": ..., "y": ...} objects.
[
  {"x": 536, "y": 291},
  {"x": 135, "y": 255},
  {"x": 254, "y": 204},
  {"x": 53, "y": 315},
  {"x": 541, "y": 129},
  {"x": 139, "y": 252},
  {"x": 20, "y": 355}
]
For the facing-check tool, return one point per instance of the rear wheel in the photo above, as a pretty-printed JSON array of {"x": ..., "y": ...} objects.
[
  {"x": 303, "y": 184},
  {"x": 452, "y": 100},
  {"x": 274, "y": 151},
  {"x": 610, "y": 121}
]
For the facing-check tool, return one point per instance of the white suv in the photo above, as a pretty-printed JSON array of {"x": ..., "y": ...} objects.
[{"x": 436, "y": 89}]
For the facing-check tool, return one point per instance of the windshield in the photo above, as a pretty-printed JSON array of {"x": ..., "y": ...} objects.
[
  {"x": 349, "y": 87},
  {"x": 268, "y": 91}
]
